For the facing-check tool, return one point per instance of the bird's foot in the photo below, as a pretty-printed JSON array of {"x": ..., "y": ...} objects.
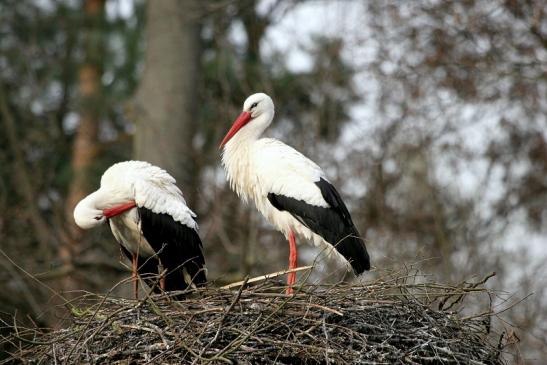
[{"x": 289, "y": 291}]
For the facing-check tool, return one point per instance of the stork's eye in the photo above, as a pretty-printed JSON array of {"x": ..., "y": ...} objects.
[
  {"x": 254, "y": 105},
  {"x": 98, "y": 218}
]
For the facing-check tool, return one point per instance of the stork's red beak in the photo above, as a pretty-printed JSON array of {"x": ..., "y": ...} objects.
[
  {"x": 118, "y": 209},
  {"x": 243, "y": 119}
]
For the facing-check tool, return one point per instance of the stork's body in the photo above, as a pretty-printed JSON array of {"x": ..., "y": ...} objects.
[
  {"x": 150, "y": 220},
  {"x": 290, "y": 190}
]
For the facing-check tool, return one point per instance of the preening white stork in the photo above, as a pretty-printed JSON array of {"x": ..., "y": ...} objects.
[
  {"x": 150, "y": 220},
  {"x": 290, "y": 190}
]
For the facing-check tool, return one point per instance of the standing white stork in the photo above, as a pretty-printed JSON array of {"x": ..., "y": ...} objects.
[
  {"x": 290, "y": 190},
  {"x": 150, "y": 220}
]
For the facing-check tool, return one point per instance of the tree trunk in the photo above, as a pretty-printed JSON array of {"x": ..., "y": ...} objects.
[
  {"x": 85, "y": 146},
  {"x": 166, "y": 99}
]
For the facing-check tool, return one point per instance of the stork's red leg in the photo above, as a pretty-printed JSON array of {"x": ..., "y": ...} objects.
[
  {"x": 291, "y": 278},
  {"x": 134, "y": 268},
  {"x": 162, "y": 278}
]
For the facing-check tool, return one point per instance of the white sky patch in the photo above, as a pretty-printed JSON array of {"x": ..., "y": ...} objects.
[
  {"x": 236, "y": 33},
  {"x": 37, "y": 107},
  {"x": 519, "y": 240},
  {"x": 71, "y": 122},
  {"x": 294, "y": 31},
  {"x": 46, "y": 5},
  {"x": 120, "y": 9}
]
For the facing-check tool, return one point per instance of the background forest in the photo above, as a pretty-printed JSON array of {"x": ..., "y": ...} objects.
[{"x": 430, "y": 117}]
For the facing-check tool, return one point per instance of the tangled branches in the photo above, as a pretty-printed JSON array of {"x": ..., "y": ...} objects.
[{"x": 391, "y": 320}]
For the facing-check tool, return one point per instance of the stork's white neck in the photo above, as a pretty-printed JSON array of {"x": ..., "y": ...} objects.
[
  {"x": 236, "y": 159},
  {"x": 237, "y": 154},
  {"x": 252, "y": 131}
]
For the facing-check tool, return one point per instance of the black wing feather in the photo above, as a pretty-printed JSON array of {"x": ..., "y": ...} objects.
[
  {"x": 178, "y": 247},
  {"x": 334, "y": 224}
]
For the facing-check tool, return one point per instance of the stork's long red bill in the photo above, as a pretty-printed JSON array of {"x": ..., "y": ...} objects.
[
  {"x": 118, "y": 209},
  {"x": 243, "y": 119}
]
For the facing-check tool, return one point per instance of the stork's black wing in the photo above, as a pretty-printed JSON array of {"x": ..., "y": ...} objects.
[
  {"x": 334, "y": 224},
  {"x": 178, "y": 248}
]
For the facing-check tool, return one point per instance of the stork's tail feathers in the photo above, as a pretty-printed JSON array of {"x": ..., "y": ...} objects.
[{"x": 352, "y": 247}]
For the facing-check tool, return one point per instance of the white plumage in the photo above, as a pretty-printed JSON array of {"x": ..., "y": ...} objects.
[
  {"x": 270, "y": 166},
  {"x": 289, "y": 189},
  {"x": 151, "y": 187},
  {"x": 149, "y": 217}
]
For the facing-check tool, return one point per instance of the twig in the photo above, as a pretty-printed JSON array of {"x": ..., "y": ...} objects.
[{"x": 265, "y": 277}]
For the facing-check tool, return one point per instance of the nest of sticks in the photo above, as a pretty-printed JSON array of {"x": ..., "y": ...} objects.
[{"x": 394, "y": 319}]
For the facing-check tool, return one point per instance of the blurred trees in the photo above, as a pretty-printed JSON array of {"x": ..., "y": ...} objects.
[
  {"x": 85, "y": 145},
  {"x": 166, "y": 101},
  {"x": 66, "y": 69},
  {"x": 448, "y": 164},
  {"x": 456, "y": 172}
]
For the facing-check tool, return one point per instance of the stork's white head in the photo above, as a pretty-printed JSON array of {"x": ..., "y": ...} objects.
[
  {"x": 116, "y": 194},
  {"x": 257, "y": 115},
  {"x": 87, "y": 214}
]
